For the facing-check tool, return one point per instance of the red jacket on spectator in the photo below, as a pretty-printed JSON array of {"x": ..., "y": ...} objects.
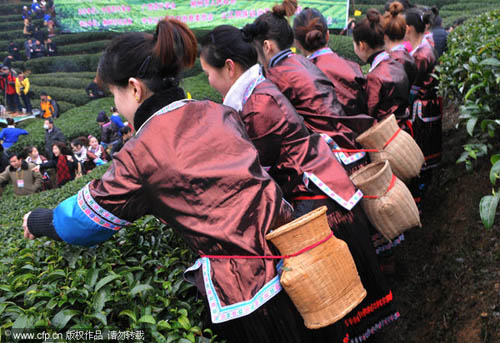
[{"x": 11, "y": 84}]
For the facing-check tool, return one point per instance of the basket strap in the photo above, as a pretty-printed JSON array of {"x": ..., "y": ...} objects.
[
  {"x": 393, "y": 182},
  {"x": 314, "y": 245}
]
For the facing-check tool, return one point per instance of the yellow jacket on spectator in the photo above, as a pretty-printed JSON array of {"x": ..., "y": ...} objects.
[{"x": 24, "y": 84}]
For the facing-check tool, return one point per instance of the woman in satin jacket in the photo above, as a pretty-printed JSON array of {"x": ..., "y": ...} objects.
[
  {"x": 302, "y": 165},
  {"x": 305, "y": 85},
  {"x": 426, "y": 109},
  {"x": 191, "y": 165},
  {"x": 387, "y": 83},
  {"x": 311, "y": 37}
]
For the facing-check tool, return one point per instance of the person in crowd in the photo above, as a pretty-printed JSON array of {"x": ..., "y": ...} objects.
[
  {"x": 394, "y": 26},
  {"x": 292, "y": 156},
  {"x": 115, "y": 118},
  {"x": 304, "y": 84},
  {"x": 94, "y": 91},
  {"x": 426, "y": 109},
  {"x": 80, "y": 153},
  {"x": 26, "y": 13},
  {"x": 29, "y": 48},
  {"x": 429, "y": 15},
  {"x": 406, "y": 4},
  {"x": 347, "y": 30},
  {"x": 4, "y": 159},
  {"x": 50, "y": 48},
  {"x": 10, "y": 135},
  {"x": 125, "y": 133},
  {"x": 220, "y": 206},
  {"x": 38, "y": 49},
  {"x": 13, "y": 50},
  {"x": 8, "y": 87},
  {"x": 24, "y": 176},
  {"x": 36, "y": 9},
  {"x": 311, "y": 37},
  {"x": 33, "y": 156},
  {"x": 48, "y": 106},
  {"x": 63, "y": 161},
  {"x": 22, "y": 90},
  {"x": 7, "y": 61},
  {"x": 28, "y": 28},
  {"x": 387, "y": 84},
  {"x": 96, "y": 152},
  {"x": 439, "y": 34},
  {"x": 52, "y": 134},
  {"x": 109, "y": 130},
  {"x": 51, "y": 33}
]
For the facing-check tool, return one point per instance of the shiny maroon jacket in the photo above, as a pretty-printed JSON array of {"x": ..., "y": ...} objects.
[
  {"x": 194, "y": 168},
  {"x": 347, "y": 78},
  {"x": 402, "y": 56},
  {"x": 287, "y": 147},
  {"x": 313, "y": 96},
  {"x": 426, "y": 110},
  {"x": 387, "y": 89}
]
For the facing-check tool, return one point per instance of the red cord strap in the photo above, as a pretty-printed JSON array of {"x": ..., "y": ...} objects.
[
  {"x": 369, "y": 150},
  {"x": 393, "y": 182},
  {"x": 274, "y": 256}
]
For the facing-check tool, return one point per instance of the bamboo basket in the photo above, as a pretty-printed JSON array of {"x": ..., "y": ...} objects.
[
  {"x": 393, "y": 211},
  {"x": 403, "y": 152},
  {"x": 323, "y": 282}
]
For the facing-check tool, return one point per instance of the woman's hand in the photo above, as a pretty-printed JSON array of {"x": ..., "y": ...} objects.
[
  {"x": 27, "y": 233},
  {"x": 69, "y": 158}
]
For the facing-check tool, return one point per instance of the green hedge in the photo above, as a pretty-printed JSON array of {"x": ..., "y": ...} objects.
[
  {"x": 11, "y": 17},
  {"x": 60, "y": 81},
  {"x": 84, "y": 37},
  {"x": 83, "y": 48},
  {"x": 78, "y": 121},
  {"x": 11, "y": 9},
  {"x": 73, "y": 96},
  {"x": 80, "y": 75},
  {"x": 200, "y": 89},
  {"x": 73, "y": 63},
  {"x": 342, "y": 45},
  {"x": 134, "y": 281}
]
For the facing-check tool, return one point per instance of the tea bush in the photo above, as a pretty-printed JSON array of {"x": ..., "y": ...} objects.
[
  {"x": 342, "y": 45},
  {"x": 134, "y": 281},
  {"x": 71, "y": 95},
  {"x": 63, "y": 81},
  {"x": 200, "y": 89},
  {"x": 470, "y": 72},
  {"x": 74, "y": 63}
]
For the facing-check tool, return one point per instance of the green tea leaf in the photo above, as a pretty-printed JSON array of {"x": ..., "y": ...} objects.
[
  {"x": 128, "y": 313},
  {"x": 63, "y": 317},
  {"x": 147, "y": 319},
  {"x": 105, "y": 281},
  {"x": 140, "y": 288},
  {"x": 487, "y": 209},
  {"x": 495, "y": 173}
]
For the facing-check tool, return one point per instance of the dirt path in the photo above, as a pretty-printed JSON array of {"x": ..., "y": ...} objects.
[{"x": 448, "y": 283}]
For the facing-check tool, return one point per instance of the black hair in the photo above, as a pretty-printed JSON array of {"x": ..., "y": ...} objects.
[
  {"x": 310, "y": 28},
  {"x": 43, "y": 93},
  {"x": 369, "y": 30},
  {"x": 77, "y": 142},
  {"x": 10, "y": 121},
  {"x": 415, "y": 17},
  {"x": 225, "y": 42},
  {"x": 11, "y": 154},
  {"x": 124, "y": 130},
  {"x": 430, "y": 15},
  {"x": 273, "y": 25},
  {"x": 157, "y": 59}
]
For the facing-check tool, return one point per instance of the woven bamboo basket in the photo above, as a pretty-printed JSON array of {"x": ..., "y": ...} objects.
[
  {"x": 403, "y": 152},
  {"x": 323, "y": 282},
  {"x": 393, "y": 211}
]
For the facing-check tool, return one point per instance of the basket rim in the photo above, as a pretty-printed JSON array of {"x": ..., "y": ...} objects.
[
  {"x": 296, "y": 223},
  {"x": 385, "y": 163},
  {"x": 377, "y": 127}
]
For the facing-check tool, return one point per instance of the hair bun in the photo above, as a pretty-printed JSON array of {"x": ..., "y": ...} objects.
[
  {"x": 286, "y": 9},
  {"x": 396, "y": 8},
  {"x": 373, "y": 16},
  {"x": 250, "y": 31}
]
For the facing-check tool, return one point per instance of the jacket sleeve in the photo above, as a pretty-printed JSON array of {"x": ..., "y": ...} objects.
[
  {"x": 98, "y": 210},
  {"x": 23, "y": 132},
  {"x": 4, "y": 176},
  {"x": 56, "y": 109},
  {"x": 38, "y": 180},
  {"x": 373, "y": 95},
  {"x": 26, "y": 86},
  {"x": 18, "y": 87}
]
